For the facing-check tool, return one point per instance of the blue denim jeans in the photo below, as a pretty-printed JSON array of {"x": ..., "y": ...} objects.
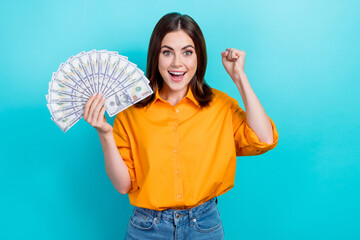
[{"x": 200, "y": 222}]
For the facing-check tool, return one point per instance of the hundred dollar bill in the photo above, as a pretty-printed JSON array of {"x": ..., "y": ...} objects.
[
  {"x": 69, "y": 73},
  {"x": 88, "y": 73},
  {"x": 62, "y": 106},
  {"x": 65, "y": 84},
  {"x": 59, "y": 115},
  {"x": 123, "y": 82},
  {"x": 55, "y": 86},
  {"x": 54, "y": 97},
  {"x": 79, "y": 70},
  {"x": 128, "y": 96},
  {"x": 85, "y": 63},
  {"x": 140, "y": 90},
  {"x": 122, "y": 76},
  {"x": 113, "y": 66},
  {"x": 66, "y": 124},
  {"x": 94, "y": 65},
  {"x": 119, "y": 73},
  {"x": 133, "y": 77},
  {"x": 104, "y": 58},
  {"x": 68, "y": 93}
]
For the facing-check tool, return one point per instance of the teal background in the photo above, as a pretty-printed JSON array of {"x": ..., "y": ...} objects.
[{"x": 302, "y": 60}]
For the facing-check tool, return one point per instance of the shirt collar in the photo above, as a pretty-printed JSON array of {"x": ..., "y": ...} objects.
[{"x": 189, "y": 95}]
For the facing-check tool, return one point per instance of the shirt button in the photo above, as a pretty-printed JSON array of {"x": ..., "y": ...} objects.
[
  {"x": 175, "y": 150},
  {"x": 176, "y": 110},
  {"x": 179, "y": 196},
  {"x": 177, "y": 172},
  {"x": 174, "y": 128}
]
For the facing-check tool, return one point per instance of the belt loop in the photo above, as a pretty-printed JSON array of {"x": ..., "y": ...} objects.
[
  {"x": 159, "y": 215},
  {"x": 216, "y": 200},
  {"x": 191, "y": 223}
]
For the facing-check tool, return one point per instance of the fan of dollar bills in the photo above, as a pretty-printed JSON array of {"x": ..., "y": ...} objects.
[{"x": 120, "y": 81}]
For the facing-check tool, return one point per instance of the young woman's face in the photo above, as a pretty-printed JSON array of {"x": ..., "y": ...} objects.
[{"x": 177, "y": 61}]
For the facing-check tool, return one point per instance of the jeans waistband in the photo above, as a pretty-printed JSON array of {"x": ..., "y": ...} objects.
[{"x": 171, "y": 214}]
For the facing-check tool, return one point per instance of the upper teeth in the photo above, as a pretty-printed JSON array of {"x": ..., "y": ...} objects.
[{"x": 177, "y": 73}]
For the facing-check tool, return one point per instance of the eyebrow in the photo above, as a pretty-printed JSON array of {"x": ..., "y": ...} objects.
[{"x": 181, "y": 49}]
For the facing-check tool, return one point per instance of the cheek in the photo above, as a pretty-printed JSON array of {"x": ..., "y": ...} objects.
[
  {"x": 163, "y": 63},
  {"x": 192, "y": 64}
]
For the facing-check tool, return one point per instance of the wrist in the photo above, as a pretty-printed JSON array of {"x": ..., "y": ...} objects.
[
  {"x": 105, "y": 135},
  {"x": 239, "y": 77}
]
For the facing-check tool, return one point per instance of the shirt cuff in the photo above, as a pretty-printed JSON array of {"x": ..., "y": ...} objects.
[{"x": 254, "y": 141}]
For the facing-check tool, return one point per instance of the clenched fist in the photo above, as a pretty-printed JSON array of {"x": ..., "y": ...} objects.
[{"x": 234, "y": 61}]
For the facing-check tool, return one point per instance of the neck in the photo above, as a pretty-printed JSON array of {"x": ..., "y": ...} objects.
[{"x": 173, "y": 97}]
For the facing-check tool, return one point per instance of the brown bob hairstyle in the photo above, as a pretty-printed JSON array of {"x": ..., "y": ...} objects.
[{"x": 169, "y": 23}]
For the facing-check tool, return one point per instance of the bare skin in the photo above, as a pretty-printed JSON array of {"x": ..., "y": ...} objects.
[
  {"x": 176, "y": 58},
  {"x": 234, "y": 61},
  {"x": 115, "y": 167}
]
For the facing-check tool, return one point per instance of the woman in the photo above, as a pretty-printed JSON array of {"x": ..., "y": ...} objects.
[{"x": 175, "y": 151}]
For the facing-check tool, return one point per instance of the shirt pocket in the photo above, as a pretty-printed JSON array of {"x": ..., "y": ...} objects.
[
  {"x": 208, "y": 222},
  {"x": 141, "y": 221}
]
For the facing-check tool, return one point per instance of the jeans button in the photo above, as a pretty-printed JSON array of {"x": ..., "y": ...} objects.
[{"x": 177, "y": 215}]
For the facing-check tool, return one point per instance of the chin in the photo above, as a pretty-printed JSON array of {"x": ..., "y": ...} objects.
[{"x": 178, "y": 87}]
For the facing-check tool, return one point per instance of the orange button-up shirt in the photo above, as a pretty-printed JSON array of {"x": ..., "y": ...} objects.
[{"x": 181, "y": 156}]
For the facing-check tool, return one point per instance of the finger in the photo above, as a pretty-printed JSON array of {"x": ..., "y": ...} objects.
[
  {"x": 224, "y": 54},
  {"x": 94, "y": 104},
  {"x": 231, "y": 55},
  {"x": 102, "y": 113},
  {"x": 228, "y": 52},
  {"x": 97, "y": 109},
  {"x": 241, "y": 58},
  {"x": 228, "y": 56},
  {"x": 239, "y": 53},
  {"x": 235, "y": 57},
  {"x": 87, "y": 106}
]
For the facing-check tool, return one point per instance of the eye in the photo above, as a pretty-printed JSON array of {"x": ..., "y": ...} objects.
[
  {"x": 188, "y": 52},
  {"x": 166, "y": 53}
]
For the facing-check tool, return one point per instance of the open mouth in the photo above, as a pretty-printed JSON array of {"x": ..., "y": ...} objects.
[{"x": 176, "y": 76}]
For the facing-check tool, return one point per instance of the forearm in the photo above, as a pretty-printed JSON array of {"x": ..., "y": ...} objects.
[
  {"x": 115, "y": 166},
  {"x": 256, "y": 116}
]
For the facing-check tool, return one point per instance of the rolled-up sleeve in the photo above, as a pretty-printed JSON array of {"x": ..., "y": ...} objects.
[
  {"x": 123, "y": 144},
  {"x": 247, "y": 142}
]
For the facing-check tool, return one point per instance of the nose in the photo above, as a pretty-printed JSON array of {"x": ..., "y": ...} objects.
[{"x": 176, "y": 61}]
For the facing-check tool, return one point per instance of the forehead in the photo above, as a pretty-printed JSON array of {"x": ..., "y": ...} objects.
[{"x": 177, "y": 39}]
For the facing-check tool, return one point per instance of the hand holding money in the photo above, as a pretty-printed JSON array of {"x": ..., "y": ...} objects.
[
  {"x": 77, "y": 80},
  {"x": 94, "y": 114}
]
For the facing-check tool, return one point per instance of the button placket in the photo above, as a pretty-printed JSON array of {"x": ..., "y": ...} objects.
[{"x": 177, "y": 156}]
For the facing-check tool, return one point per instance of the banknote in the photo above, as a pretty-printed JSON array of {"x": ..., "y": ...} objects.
[
  {"x": 87, "y": 73},
  {"x": 127, "y": 97},
  {"x": 75, "y": 65},
  {"x": 122, "y": 72},
  {"x": 66, "y": 124},
  {"x": 69, "y": 73},
  {"x": 62, "y": 106}
]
